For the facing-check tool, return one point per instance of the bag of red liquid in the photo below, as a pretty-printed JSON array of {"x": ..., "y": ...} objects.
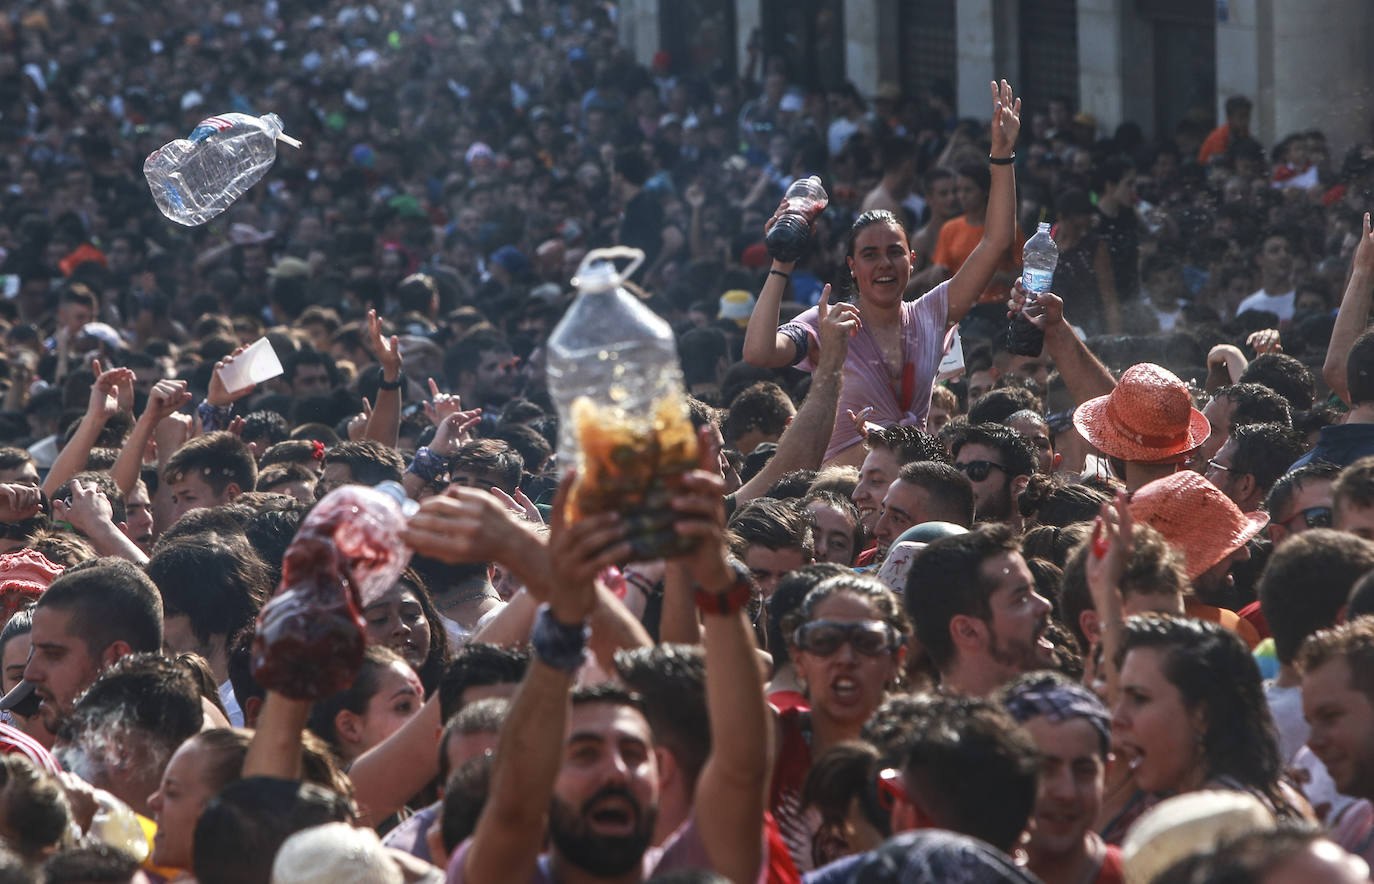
[{"x": 348, "y": 551}]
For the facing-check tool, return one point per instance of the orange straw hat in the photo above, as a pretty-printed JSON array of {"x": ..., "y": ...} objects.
[
  {"x": 1148, "y": 418},
  {"x": 1196, "y": 517}
]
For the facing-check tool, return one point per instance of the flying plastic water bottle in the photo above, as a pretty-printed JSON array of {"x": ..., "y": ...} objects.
[{"x": 193, "y": 179}]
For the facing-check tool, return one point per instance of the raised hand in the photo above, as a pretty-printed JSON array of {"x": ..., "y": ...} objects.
[
  {"x": 1264, "y": 341},
  {"x": 1364, "y": 252},
  {"x": 387, "y": 351},
  {"x": 19, "y": 502},
  {"x": 577, "y": 553},
  {"x": 357, "y": 424},
  {"x": 1006, "y": 119},
  {"x": 87, "y": 509},
  {"x": 694, "y": 196},
  {"x": 462, "y": 525},
  {"x": 454, "y": 431},
  {"x": 219, "y": 394},
  {"x": 104, "y": 402},
  {"x": 838, "y": 322},
  {"x": 700, "y": 507},
  {"x": 165, "y": 399},
  {"x": 441, "y": 405},
  {"x": 1044, "y": 311}
]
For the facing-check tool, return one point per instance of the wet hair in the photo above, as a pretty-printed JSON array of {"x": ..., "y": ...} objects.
[
  {"x": 1290, "y": 483},
  {"x": 1284, "y": 375},
  {"x": 265, "y": 426},
  {"x": 94, "y": 863},
  {"x": 220, "y": 458},
  {"x": 355, "y": 698},
  {"x": 1015, "y": 450},
  {"x": 973, "y": 770},
  {"x": 949, "y": 493},
  {"x": 241, "y": 828},
  {"x": 144, "y": 698},
  {"x": 772, "y": 524},
  {"x": 845, "y": 506},
  {"x": 478, "y": 665},
  {"x": 226, "y": 749},
  {"x": 763, "y": 407},
  {"x": 946, "y": 580},
  {"x": 869, "y": 589},
  {"x": 35, "y": 806},
  {"x": 1352, "y": 642},
  {"x": 670, "y": 679},
  {"x": 908, "y": 443},
  {"x": 292, "y": 451},
  {"x": 1214, "y": 672},
  {"x": 995, "y": 406},
  {"x": 1154, "y": 568},
  {"x": 216, "y": 580},
  {"x": 1053, "y": 543},
  {"x": 868, "y": 219},
  {"x": 109, "y": 600},
  {"x": 1265, "y": 451},
  {"x": 465, "y": 795},
  {"x": 792, "y": 589},
  {"x": 478, "y": 717},
  {"x": 493, "y": 457},
  {"x": 1306, "y": 583},
  {"x": 845, "y": 776},
  {"x": 1052, "y": 501},
  {"x": 1256, "y": 404},
  {"x": 369, "y": 462}
]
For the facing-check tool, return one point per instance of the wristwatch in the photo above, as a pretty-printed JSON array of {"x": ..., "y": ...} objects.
[
  {"x": 384, "y": 384},
  {"x": 730, "y": 599}
]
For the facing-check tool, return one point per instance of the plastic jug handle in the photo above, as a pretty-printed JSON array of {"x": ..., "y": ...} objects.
[{"x": 611, "y": 255}]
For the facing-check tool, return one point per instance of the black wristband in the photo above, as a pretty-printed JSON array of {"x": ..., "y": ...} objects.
[
  {"x": 773, "y": 272},
  {"x": 384, "y": 384},
  {"x": 1002, "y": 161},
  {"x": 556, "y": 644}
]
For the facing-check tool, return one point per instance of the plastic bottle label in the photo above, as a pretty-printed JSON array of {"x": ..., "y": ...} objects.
[
  {"x": 1036, "y": 280},
  {"x": 207, "y": 127}
]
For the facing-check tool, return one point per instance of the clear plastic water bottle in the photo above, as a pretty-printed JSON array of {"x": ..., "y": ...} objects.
[
  {"x": 193, "y": 179},
  {"x": 614, "y": 375},
  {"x": 1039, "y": 258},
  {"x": 787, "y": 239}
]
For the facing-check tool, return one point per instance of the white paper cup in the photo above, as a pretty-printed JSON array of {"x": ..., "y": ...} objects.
[{"x": 254, "y": 365}]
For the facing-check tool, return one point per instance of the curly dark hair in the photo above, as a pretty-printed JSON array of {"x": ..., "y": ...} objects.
[{"x": 1213, "y": 670}]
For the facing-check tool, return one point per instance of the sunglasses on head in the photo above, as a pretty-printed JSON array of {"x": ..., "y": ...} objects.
[
  {"x": 872, "y": 638},
  {"x": 1313, "y": 517},
  {"x": 978, "y": 470}
]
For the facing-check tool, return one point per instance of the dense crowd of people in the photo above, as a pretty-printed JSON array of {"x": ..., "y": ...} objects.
[{"x": 935, "y": 610}]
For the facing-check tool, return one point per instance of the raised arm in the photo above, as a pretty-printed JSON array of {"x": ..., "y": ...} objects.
[
  {"x": 802, "y": 445},
  {"x": 1353, "y": 315},
  {"x": 384, "y": 425},
  {"x": 763, "y": 344},
  {"x": 167, "y": 398},
  {"x": 729, "y": 796},
  {"x": 1083, "y": 374},
  {"x": 103, "y": 405},
  {"x": 977, "y": 270},
  {"x": 510, "y": 831},
  {"x": 1108, "y": 555}
]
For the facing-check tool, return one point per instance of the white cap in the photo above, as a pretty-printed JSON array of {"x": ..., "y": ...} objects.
[
  {"x": 335, "y": 853},
  {"x": 1181, "y": 826}
]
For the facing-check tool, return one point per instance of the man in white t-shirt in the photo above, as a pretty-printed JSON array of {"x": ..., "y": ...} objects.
[{"x": 1277, "y": 292}]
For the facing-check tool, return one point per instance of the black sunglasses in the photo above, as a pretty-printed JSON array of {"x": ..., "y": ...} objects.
[
  {"x": 977, "y": 470},
  {"x": 1313, "y": 516},
  {"x": 872, "y": 638}
]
